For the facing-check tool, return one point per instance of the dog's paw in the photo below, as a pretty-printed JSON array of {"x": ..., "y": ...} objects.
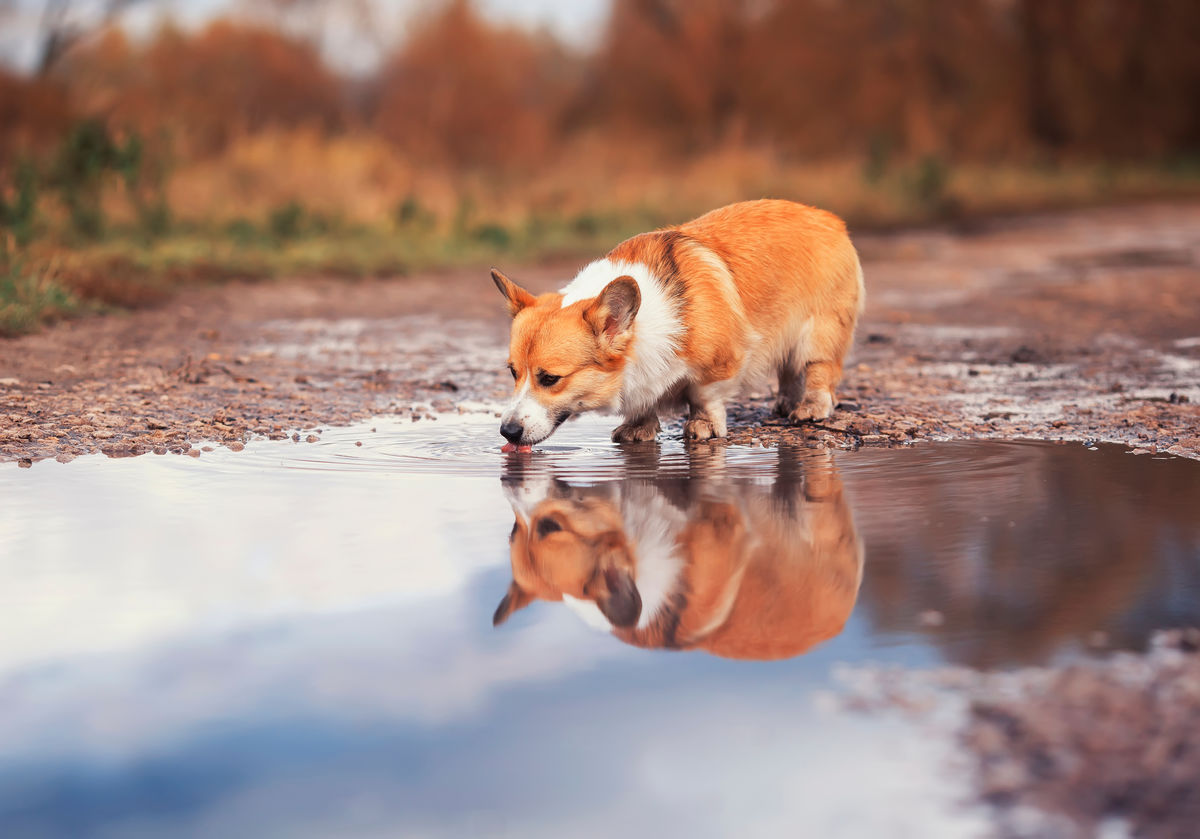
[
  {"x": 784, "y": 407},
  {"x": 699, "y": 429},
  {"x": 635, "y": 432},
  {"x": 814, "y": 406}
]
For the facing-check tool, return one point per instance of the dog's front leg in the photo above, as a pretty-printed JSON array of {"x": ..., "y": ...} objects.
[
  {"x": 706, "y": 417},
  {"x": 637, "y": 430}
]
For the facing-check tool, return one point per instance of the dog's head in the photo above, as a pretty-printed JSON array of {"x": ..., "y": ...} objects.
[
  {"x": 572, "y": 548},
  {"x": 564, "y": 359}
]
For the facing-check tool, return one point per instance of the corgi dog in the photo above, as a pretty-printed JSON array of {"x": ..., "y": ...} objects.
[
  {"x": 731, "y": 567},
  {"x": 689, "y": 315}
]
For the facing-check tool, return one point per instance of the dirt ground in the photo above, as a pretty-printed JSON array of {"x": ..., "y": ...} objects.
[{"x": 1082, "y": 325}]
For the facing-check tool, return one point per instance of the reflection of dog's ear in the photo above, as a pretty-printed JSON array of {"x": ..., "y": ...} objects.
[
  {"x": 517, "y": 297},
  {"x": 619, "y": 600},
  {"x": 613, "y": 587},
  {"x": 513, "y": 600}
]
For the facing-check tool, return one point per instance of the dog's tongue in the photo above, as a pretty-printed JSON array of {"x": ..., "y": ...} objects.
[{"x": 513, "y": 447}]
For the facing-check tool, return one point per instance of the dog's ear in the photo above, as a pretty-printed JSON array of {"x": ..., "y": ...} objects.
[
  {"x": 611, "y": 314},
  {"x": 613, "y": 587},
  {"x": 513, "y": 600},
  {"x": 619, "y": 599},
  {"x": 517, "y": 297}
]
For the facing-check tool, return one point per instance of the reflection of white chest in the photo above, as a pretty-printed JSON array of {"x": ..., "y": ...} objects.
[
  {"x": 588, "y": 612},
  {"x": 652, "y": 528},
  {"x": 655, "y": 367}
]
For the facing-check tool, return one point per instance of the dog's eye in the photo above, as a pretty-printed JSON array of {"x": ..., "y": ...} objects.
[
  {"x": 512, "y": 370},
  {"x": 547, "y": 526},
  {"x": 547, "y": 380}
]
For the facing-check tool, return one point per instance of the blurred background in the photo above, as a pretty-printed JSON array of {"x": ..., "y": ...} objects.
[{"x": 147, "y": 143}]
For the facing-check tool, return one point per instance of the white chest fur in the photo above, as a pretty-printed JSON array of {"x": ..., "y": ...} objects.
[{"x": 656, "y": 366}]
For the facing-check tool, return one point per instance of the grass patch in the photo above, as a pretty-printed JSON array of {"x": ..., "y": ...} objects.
[
  {"x": 365, "y": 212},
  {"x": 29, "y": 298}
]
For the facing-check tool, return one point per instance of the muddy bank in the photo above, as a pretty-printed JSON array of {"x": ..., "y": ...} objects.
[{"x": 1081, "y": 325}]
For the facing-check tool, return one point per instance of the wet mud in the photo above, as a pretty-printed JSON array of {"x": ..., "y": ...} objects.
[{"x": 1079, "y": 326}]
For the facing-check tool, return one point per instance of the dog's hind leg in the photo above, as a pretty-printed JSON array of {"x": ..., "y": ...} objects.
[
  {"x": 820, "y": 380},
  {"x": 791, "y": 386},
  {"x": 809, "y": 375}
]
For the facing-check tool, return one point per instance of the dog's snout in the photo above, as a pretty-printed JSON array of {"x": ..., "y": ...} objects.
[{"x": 512, "y": 431}]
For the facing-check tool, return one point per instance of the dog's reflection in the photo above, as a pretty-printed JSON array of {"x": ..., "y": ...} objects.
[{"x": 739, "y": 564}]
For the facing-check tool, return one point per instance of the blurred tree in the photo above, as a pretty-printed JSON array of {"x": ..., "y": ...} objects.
[
  {"x": 464, "y": 92},
  {"x": 207, "y": 88},
  {"x": 673, "y": 69},
  {"x": 64, "y": 23}
]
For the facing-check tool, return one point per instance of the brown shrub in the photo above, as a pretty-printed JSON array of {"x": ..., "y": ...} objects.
[
  {"x": 464, "y": 92},
  {"x": 33, "y": 113},
  {"x": 204, "y": 90}
]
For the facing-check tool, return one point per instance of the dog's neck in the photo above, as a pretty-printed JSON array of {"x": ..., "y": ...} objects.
[{"x": 655, "y": 366}]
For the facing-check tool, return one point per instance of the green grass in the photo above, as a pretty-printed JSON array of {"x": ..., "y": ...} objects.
[
  {"x": 50, "y": 272},
  {"x": 244, "y": 250},
  {"x": 29, "y": 298},
  {"x": 126, "y": 269}
]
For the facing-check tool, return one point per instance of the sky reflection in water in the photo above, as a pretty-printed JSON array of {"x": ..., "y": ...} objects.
[{"x": 297, "y": 640}]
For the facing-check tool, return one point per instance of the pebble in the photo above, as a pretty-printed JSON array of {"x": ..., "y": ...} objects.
[
  {"x": 931, "y": 618},
  {"x": 311, "y": 438}
]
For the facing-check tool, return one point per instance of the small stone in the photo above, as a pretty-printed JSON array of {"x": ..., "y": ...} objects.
[
  {"x": 931, "y": 618},
  {"x": 207, "y": 449},
  {"x": 296, "y": 438},
  {"x": 160, "y": 450},
  {"x": 236, "y": 446},
  {"x": 358, "y": 442},
  {"x": 192, "y": 452},
  {"x": 24, "y": 463},
  {"x": 64, "y": 457},
  {"x": 311, "y": 438}
]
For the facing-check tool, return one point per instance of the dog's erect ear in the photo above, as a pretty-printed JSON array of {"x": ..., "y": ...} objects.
[
  {"x": 618, "y": 599},
  {"x": 611, "y": 314},
  {"x": 517, "y": 297},
  {"x": 613, "y": 587},
  {"x": 514, "y": 600}
]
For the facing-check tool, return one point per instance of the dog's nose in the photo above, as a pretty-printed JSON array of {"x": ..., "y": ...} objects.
[{"x": 512, "y": 431}]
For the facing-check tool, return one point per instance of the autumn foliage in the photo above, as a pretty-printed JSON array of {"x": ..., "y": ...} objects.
[{"x": 972, "y": 79}]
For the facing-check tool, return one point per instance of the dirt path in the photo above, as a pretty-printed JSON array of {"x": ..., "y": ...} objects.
[{"x": 1073, "y": 326}]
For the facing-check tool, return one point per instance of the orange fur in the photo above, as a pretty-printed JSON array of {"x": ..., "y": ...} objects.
[
  {"x": 765, "y": 572},
  {"x": 752, "y": 288}
]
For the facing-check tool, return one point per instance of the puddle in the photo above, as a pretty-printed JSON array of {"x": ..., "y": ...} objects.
[{"x": 298, "y": 638}]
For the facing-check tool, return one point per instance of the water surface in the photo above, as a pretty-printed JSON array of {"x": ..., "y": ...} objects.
[{"x": 298, "y": 639}]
